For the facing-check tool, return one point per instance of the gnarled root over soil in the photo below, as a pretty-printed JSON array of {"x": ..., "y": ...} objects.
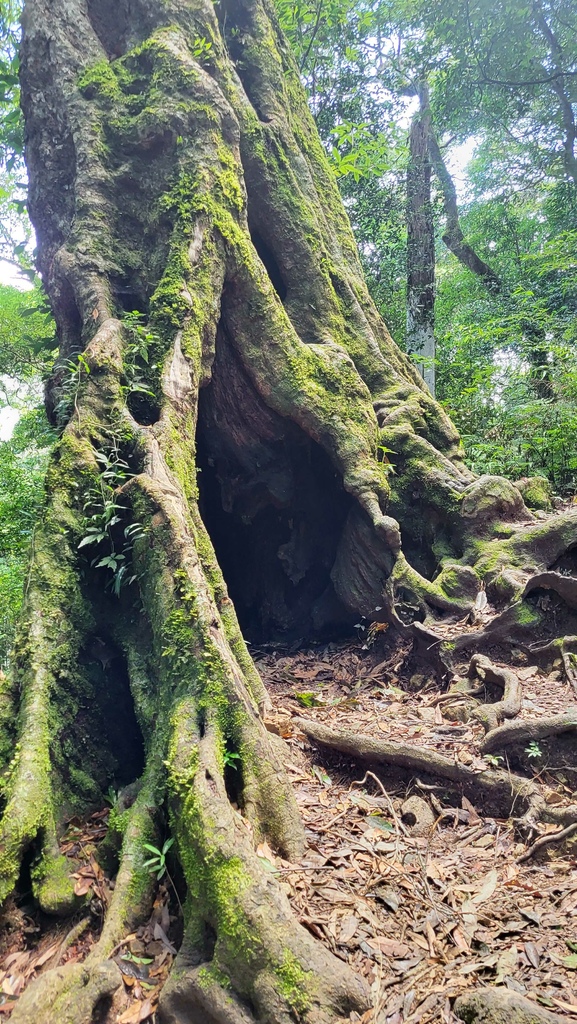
[{"x": 500, "y": 1006}]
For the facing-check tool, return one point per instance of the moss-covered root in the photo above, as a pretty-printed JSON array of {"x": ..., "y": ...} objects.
[
  {"x": 29, "y": 804},
  {"x": 52, "y": 882},
  {"x": 240, "y": 933},
  {"x": 68, "y": 994},
  {"x": 134, "y": 887},
  {"x": 202, "y": 654},
  {"x": 500, "y": 1006},
  {"x": 71, "y": 994}
]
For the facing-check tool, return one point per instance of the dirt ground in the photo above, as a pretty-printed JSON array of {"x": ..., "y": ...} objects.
[
  {"x": 411, "y": 883},
  {"x": 423, "y": 908}
]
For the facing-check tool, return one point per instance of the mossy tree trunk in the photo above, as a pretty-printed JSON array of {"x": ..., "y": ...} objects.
[{"x": 251, "y": 410}]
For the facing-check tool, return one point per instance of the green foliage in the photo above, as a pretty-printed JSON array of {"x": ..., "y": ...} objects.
[
  {"x": 11, "y": 129},
  {"x": 75, "y": 372},
  {"x": 104, "y": 515},
  {"x": 507, "y": 365},
  {"x": 201, "y": 49},
  {"x": 138, "y": 370},
  {"x": 533, "y": 750},
  {"x": 27, "y": 338},
  {"x": 230, "y": 759},
  {"x": 23, "y": 462},
  {"x": 157, "y": 863}
]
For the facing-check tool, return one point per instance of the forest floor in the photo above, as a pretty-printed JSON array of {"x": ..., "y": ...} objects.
[{"x": 426, "y": 898}]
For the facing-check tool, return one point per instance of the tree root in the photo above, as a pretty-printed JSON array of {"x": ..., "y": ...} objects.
[
  {"x": 192, "y": 991},
  {"x": 548, "y": 840},
  {"x": 564, "y": 586},
  {"x": 516, "y": 733},
  {"x": 257, "y": 949},
  {"x": 566, "y": 648},
  {"x": 67, "y": 994},
  {"x": 491, "y": 715},
  {"x": 501, "y": 1006},
  {"x": 70, "y": 994},
  {"x": 504, "y": 790}
]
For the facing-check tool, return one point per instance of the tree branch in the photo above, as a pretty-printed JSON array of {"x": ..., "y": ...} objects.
[{"x": 453, "y": 237}]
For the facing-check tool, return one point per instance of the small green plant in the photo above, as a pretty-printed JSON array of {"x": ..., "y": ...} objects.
[
  {"x": 111, "y": 796},
  {"x": 133, "y": 959},
  {"x": 157, "y": 865},
  {"x": 137, "y": 354},
  {"x": 201, "y": 48},
  {"x": 75, "y": 372},
  {"x": 494, "y": 760},
  {"x": 230, "y": 759},
  {"x": 104, "y": 513},
  {"x": 384, "y": 459},
  {"x": 533, "y": 750}
]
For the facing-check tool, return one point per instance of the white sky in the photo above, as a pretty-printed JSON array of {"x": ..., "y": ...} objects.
[
  {"x": 10, "y": 275},
  {"x": 457, "y": 159},
  {"x": 8, "y": 420}
]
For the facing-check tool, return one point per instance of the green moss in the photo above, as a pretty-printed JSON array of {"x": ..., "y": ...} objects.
[
  {"x": 294, "y": 983},
  {"x": 100, "y": 81},
  {"x": 536, "y": 492},
  {"x": 212, "y": 975},
  {"x": 118, "y": 820},
  {"x": 180, "y": 458},
  {"x": 53, "y": 885},
  {"x": 526, "y": 615}
]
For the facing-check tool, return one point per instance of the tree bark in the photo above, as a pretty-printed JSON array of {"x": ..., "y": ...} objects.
[
  {"x": 455, "y": 240},
  {"x": 237, "y": 421},
  {"x": 453, "y": 236},
  {"x": 421, "y": 243}
]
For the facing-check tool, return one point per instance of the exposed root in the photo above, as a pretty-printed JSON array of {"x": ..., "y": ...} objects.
[
  {"x": 505, "y": 790},
  {"x": 516, "y": 733},
  {"x": 67, "y": 994},
  {"x": 501, "y": 1006},
  {"x": 257, "y": 947},
  {"x": 564, "y": 586},
  {"x": 566, "y": 648},
  {"x": 29, "y": 804},
  {"x": 548, "y": 840},
  {"x": 194, "y": 992},
  {"x": 491, "y": 715},
  {"x": 72, "y": 993}
]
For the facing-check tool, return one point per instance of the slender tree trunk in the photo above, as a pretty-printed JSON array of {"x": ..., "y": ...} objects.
[
  {"x": 421, "y": 243},
  {"x": 175, "y": 171},
  {"x": 455, "y": 241},
  {"x": 563, "y": 90},
  {"x": 453, "y": 236}
]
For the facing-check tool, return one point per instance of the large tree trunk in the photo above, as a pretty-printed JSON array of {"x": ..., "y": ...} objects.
[{"x": 175, "y": 170}]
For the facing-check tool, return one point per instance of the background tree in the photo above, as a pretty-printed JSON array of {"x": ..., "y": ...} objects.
[
  {"x": 420, "y": 335},
  {"x": 492, "y": 74}
]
